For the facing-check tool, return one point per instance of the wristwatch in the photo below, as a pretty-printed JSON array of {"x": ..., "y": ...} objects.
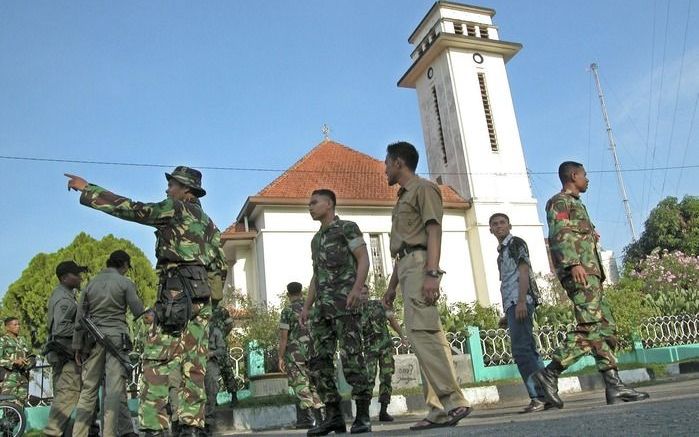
[{"x": 435, "y": 273}]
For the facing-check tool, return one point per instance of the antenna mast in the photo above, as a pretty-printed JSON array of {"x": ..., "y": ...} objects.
[{"x": 612, "y": 147}]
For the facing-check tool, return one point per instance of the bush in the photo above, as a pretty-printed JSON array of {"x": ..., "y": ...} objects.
[{"x": 457, "y": 316}]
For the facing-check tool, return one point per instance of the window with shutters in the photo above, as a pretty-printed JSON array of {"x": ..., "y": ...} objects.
[
  {"x": 488, "y": 112},
  {"x": 438, "y": 120},
  {"x": 377, "y": 256}
]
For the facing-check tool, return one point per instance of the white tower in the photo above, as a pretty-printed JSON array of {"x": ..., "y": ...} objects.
[{"x": 471, "y": 132}]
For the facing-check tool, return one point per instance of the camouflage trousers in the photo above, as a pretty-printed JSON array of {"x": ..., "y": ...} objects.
[
  {"x": 383, "y": 359},
  {"x": 301, "y": 382},
  {"x": 187, "y": 357},
  {"x": 595, "y": 331},
  {"x": 15, "y": 384},
  {"x": 326, "y": 333}
]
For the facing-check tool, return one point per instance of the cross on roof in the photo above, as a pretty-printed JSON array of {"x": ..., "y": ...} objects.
[{"x": 326, "y": 131}]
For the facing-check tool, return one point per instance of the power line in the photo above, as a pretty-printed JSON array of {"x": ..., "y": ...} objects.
[
  {"x": 686, "y": 146},
  {"x": 677, "y": 95},
  {"x": 650, "y": 103},
  {"x": 280, "y": 170}
]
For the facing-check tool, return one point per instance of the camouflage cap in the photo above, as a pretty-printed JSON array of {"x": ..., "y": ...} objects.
[{"x": 189, "y": 177}]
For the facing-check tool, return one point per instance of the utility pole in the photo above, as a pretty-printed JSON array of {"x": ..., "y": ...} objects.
[{"x": 612, "y": 147}]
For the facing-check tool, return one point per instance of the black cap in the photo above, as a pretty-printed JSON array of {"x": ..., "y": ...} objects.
[
  {"x": 69, "y": 267},
  {"x": 119, "y": 258},
  {"x": 294, "y": 288}
]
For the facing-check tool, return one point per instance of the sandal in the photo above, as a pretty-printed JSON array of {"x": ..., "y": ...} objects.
[
  {"x": 426, "y": 424},
  {"x": 457, "y": 414}
]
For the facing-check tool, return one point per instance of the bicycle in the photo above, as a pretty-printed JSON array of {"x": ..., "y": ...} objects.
[{"x": 12, "y": 419}]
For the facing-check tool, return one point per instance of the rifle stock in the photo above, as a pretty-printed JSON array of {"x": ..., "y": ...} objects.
[{"x": 89, "y": 326}]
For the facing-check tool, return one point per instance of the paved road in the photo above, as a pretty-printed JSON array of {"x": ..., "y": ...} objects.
[{"x": 672, "y": 410}]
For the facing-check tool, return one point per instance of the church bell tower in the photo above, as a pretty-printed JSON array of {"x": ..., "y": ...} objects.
[{"x": 470, "y": 130}]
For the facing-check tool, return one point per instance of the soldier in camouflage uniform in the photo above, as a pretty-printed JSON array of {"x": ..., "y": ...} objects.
[
  {"x": 15, "y": 363},
  {"x": 294, "y": 348},
  {"x": 191, "y": 267},
  {"x": 378, "y": 348},
  {"x": 573, "y": 242},
  {"x": 59, "y": 353},
  {"x": 340, "y": 267},
  {"x": 219, "y": 328}
]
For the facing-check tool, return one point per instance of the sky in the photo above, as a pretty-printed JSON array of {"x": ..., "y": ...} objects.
[{"x": 250, "y": 84}]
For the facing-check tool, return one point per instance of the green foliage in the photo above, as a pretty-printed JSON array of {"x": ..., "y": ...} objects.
[
  {"x": 27, "y": 297},
  {"x": 554, "y": 314},
  {"x": 457, "y": 316},
  {"x": 628, "y": 304},
  {"x": 261, "y": 325},
  {"x": 670, "y": 226}
]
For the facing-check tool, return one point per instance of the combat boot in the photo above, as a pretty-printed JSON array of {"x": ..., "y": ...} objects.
[
  {"x": 333, "y": 421},
  {"x": 304, "y": 420},
  {"x": 383, "y": 414},
  {"x": 616, "y": 391},
  {"x": 362, "y": 421},
  {"x": 547, "y": 380},
  {"x": 318, "y": 415}
]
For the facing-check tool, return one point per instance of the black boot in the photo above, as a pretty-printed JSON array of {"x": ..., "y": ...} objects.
[
  {"x": 383, "y": 414},
  {"x": 362, "y": 421},
  {"x": 318, "y": 415},
  {"x": 304, "y": 420},
  {"x": 190, "y": 431},
  {"x": 333, "y": 421},
  {"x": 616, "y": 391},
  {"x": 547, "y": 380}
]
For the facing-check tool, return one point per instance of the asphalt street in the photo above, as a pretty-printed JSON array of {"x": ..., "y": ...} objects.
[{"x": 672, "y": 410}]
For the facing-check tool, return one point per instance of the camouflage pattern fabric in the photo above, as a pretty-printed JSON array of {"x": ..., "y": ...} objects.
[
  {"x": 298, "y": 349},
  {"x": 16, "y": 381},
  {"x": 573, "y": 241},
  {"x": 185, "y": 355},
  {"x": 185, "y": 234},
  {"x": 596, "y": 329},
  {"x": 334, "y": 266},
  {"x": 378, "y": 347},
  {"x": 346, "y": 332},
  {"x": 572, "y": 236}
]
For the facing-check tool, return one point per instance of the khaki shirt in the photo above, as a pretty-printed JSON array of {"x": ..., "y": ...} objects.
[
  {"x": 108, "y": 295},
  {"x": 419, "y": 202},
  {"x": 62, "y": 307}
]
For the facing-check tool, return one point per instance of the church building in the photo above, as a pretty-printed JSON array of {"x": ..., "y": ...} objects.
[{"x": 473, "y": 151}]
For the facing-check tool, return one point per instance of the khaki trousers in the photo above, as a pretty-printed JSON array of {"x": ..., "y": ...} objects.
[
  {"x": 66, "y": 392},
  {"x": 117, "y": 418},
  {"x": 424, "y": 329}
]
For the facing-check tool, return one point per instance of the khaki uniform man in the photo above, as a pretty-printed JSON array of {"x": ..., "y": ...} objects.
[
  {"x": 105, "y": 301},
  {"x": 416, "y": 237},
  {"x": 15, "y": 363},
  {"x": 58, "y": 350}
]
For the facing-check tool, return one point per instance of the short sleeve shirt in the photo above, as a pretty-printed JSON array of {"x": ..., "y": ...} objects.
[
  {"x": 512, "y": 252},
  {"x": 419, "y": 202},
  {"x": 334, "y": 265},
  {"x": 298, "y": 340},
  {"x": 375, "y": 326}
]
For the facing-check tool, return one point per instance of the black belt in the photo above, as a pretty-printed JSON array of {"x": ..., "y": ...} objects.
[{"x": 409, "y": 249}]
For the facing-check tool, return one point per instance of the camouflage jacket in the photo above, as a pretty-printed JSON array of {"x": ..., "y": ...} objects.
[
  {"x": 298, "y": 342},
  {"x": 184, "y": 233},
  {"x": 12, "y": 348},
  {"x": 572, "y": 236},
  {"x": 334, "y": 265},
  {"x": 375, "y": 327}
]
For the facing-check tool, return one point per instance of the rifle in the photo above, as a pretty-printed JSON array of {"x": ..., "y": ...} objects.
[{"x": 89, "y": 326}]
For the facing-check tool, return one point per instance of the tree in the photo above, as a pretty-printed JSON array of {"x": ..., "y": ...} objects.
[
  {"x": 27, "y": 297},
  {"x": 671, "y": 226}
]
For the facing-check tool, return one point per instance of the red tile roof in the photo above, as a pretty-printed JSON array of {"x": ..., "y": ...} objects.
[
  {"x": 352, "y": 175},
  {"x": 356, "y": 178}
]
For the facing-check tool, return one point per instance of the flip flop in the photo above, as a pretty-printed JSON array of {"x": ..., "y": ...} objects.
[
  {"x": 426, "y": 424},
  {"x": 454, "y": 417}
]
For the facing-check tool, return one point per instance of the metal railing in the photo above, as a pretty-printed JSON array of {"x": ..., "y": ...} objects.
[{"x": 669, "y": 331}]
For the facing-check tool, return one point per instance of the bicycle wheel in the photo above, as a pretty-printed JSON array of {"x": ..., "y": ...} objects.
[{"x": 12, "y": 421}]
